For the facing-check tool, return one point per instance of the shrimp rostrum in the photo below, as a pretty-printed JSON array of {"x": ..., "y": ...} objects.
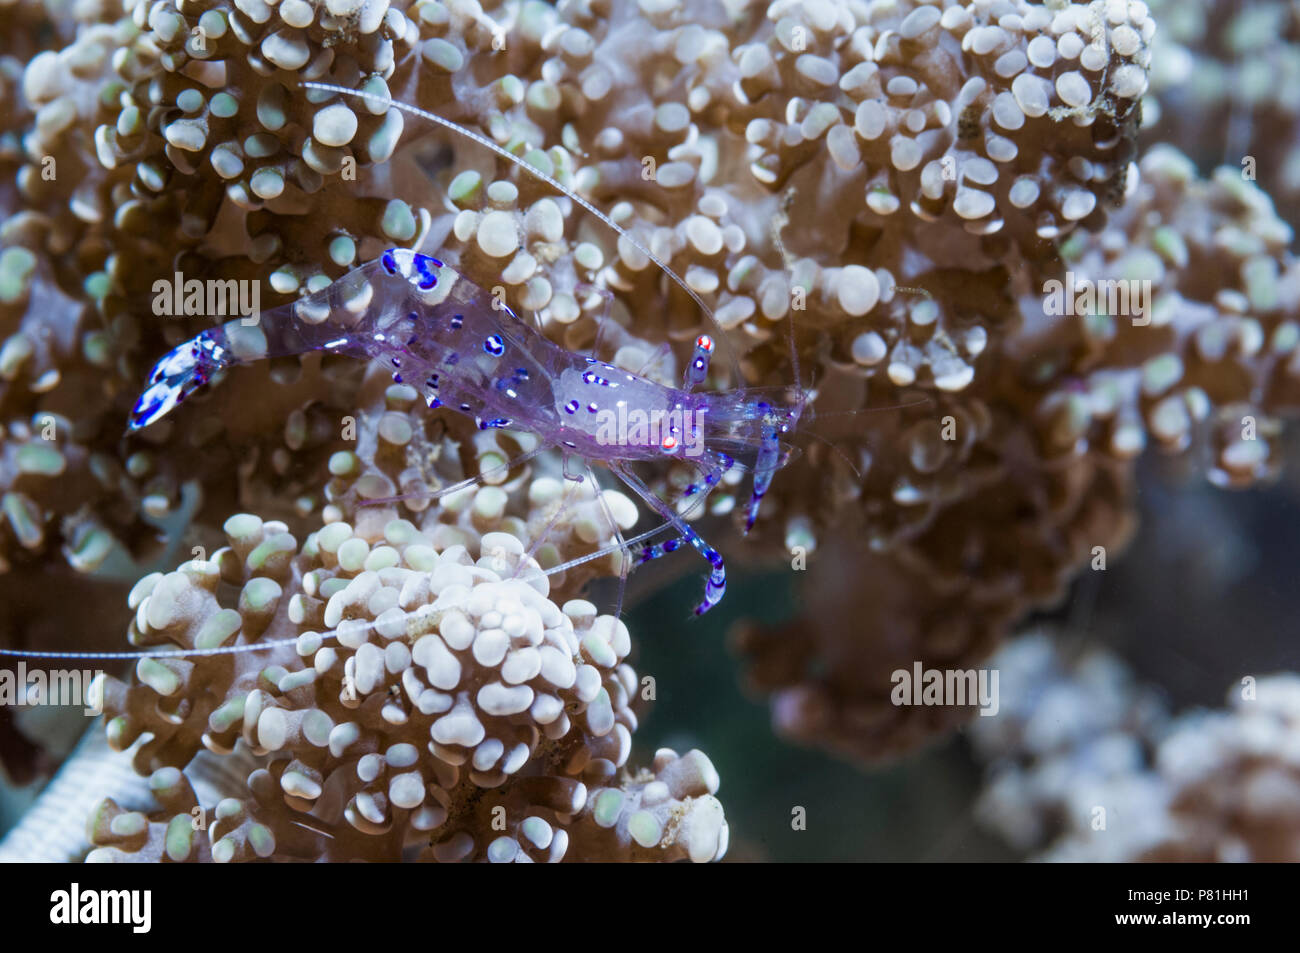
[{"x": 439, "y": 332}]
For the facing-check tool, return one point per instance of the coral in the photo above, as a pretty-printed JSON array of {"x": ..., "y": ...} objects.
[
  {"x": 259, "y": 138},
  {"x": 894, "y": 183},
  {"x": 44, "y": 834},
  {"x": 917, "y": 111},
  {"x": 1233, "y": 778},
  {"x": 169, "y": 148},
  {"x": 1218, "y": 351},
  {"x": 1224, "y": 83},
  {"x": 1077, "y": 740},
  {"x": 1047, "y": 443},
  {"x": 30, "y": 740},
  {"x": 1071, "y": 723},
  {"x": 57, "y": 488},
  {"x": 946, "y": 600},
  {"x": 410, "y": 694},
  {"x": 666, "y": 815}
]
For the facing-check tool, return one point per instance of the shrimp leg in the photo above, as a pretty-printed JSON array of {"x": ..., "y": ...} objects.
[
  {"x": 716, "y": 585},
  {"x": 459, "y": 485},
  {"x": 622, "y": 544},
  {"x": 606, "y": 310},
  {"x": 546, "y": 530},
  {"x": 634, "y": 545},
  {"x": 662, "y": 351},
  {"x": 765, "y": 467},
  {"x": 721, "y": 464}
]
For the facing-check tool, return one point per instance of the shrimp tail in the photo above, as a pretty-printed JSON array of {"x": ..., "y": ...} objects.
[
  {"x": 182, "y": 370},
  {"x": 342, "y": 318}
]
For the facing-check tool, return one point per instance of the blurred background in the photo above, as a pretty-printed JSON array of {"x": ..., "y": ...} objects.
[{"x": 1205, "y": 594}]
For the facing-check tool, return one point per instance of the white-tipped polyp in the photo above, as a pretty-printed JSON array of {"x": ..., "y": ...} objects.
[{"x": 183, "y": 370}]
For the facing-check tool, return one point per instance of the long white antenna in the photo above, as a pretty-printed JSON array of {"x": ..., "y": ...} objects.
[
  {"x": 163, "y": 653},
  {"x": 531, "y": 170},
  {"x": 328, "y": 633}
]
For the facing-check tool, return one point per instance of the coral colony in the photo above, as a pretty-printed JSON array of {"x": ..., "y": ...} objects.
[{"x": 959, "y": 239}]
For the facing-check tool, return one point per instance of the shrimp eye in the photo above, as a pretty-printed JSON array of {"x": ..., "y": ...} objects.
[
  {"x": 704, "y": 342},
  {"x": 669, "y": 444}
]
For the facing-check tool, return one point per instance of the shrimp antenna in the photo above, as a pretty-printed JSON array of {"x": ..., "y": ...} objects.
[
  {"x": 535, "y": 173},
  {"x": 817, "y": 415},
  {"x": 779, "y": 221},
  {"x": 808, "y": 431},
  {"x": 368, "y": 626},
  {"x": 838, "y": 450}
]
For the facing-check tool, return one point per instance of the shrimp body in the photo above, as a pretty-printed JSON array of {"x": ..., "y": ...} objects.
[{"x": 439, "y": 332}]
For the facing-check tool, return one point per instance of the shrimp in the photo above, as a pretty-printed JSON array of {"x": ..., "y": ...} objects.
[
  {"x": 436, "y": 330},
  {"x": 439, "y": 332}
]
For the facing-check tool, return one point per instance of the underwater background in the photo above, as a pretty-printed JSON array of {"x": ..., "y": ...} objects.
[{"x": 871, "y": 208}]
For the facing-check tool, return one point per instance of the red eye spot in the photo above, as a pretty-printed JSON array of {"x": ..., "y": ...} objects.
[{"x": 704, "y": 342}]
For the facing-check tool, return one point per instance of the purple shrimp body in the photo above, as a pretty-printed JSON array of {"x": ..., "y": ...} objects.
[
  {"x": 465, "y": 354},
  {"x": 439, "y": 332}
]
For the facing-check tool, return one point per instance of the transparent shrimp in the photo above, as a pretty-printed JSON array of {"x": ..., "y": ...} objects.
[{"x": 440, "y": 333}]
